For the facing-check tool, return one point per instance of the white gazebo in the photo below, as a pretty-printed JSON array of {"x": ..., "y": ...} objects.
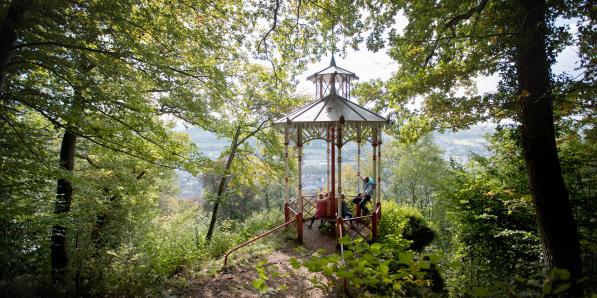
[{"x": 337, "y": 120}]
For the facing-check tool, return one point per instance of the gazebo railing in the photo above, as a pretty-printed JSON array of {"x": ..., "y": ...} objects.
[
  {"x": 358, "y": 226},
  {"x": 309, "y": 206},
  {"x": 364, "y": 226},
  {"x": 256, "y": 238}
]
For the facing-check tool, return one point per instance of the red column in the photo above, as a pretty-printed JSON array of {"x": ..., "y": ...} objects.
[
  {"x": 299, "y": 226},
  {"x": 333, "y": 183},
  {"x": 374, "y": 224}
]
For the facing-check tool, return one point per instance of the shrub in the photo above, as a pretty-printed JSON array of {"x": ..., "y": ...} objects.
[
  {"x": 404, "y": 227},
  {"x": 378, "y": 269}
]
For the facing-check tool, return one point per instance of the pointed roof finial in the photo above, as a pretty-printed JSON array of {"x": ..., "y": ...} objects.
[{"x": 333, "y": 62}]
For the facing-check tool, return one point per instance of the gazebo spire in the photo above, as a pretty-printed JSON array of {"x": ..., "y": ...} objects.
[{"x": 332, "y": 80}]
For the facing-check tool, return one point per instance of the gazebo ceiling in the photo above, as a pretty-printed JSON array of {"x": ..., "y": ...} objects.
[{"x": 329, "y": 110}]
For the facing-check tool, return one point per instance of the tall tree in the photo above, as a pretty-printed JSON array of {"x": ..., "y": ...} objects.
[
  {"x": 259, "y": 98},
  {"x": 415, "y": 173},
  {"x": 125, "y": 65},
  {"x": 557, "y": 229}
]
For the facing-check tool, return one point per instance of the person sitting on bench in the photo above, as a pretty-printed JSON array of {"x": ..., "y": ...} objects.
[
  {"x": 345, "y": 212},
  {"x": 359, "y": 200},
  {"x": 368, "y": 187},
  {"x": 322, "y": 206}
]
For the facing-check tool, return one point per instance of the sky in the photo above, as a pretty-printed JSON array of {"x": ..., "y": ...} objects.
[{"x": 368, "y": 65}]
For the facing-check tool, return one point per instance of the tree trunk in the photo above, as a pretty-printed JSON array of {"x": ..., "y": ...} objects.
[
  {"x": 8, "y": 35},
  {"x": 64, "y": 194},
  {"x": 222, "y": 185},
  {"x": 102, "y": 219},
  {"x": 557, "y": 229}
]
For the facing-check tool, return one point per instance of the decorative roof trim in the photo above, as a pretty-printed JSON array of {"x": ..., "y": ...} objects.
[{"x": 289, "y": 119}]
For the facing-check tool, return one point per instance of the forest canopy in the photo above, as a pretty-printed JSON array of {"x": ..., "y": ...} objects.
[{"x": 94, "y": 95}]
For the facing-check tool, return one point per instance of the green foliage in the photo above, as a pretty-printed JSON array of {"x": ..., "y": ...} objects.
[
  {"x": 413, "y": 174},
  {"x": 404, "y": 227},
  {"x": 166, "y": 249},
  {"x": 267, "y": 271},
  {"x": 26, "y": 197},
  {"x": 385, "y": 268},
  {"x": 493, "y": 216},
  {"x": 556, "y": 283},
  {"x": 379, "y": 269},
  {"x": 491, "y": 234},
  {"x": 233, "y": 232}
]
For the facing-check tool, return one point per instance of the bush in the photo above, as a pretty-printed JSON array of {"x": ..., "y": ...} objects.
[
  {"x": 379, "y": 269},
  {"x": 163, "y": 249},
  {"x": 404, "y": 227},
  {"x": 385, "y": 268}
]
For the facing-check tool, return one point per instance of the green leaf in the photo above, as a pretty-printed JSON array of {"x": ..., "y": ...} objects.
[
  {"x": 561, "y": 288},
  {"x": 294, "y": 263},
  {"x": 375, "y": 248},
  {"x": 559, "y": 274},
  {"x": 258, "y": 284},
  {"x": 424, "y": 265},
  {"x": 405, "y": 258},
  {"x": 481, "y": 292},
  {"x": 345, "y": 240},
  {"x": 547, "y": 288}
]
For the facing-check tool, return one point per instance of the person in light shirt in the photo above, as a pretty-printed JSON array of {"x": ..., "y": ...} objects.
[{"x": 368, "y": 188}]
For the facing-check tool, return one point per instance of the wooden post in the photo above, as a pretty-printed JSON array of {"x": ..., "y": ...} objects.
[
  {"x": 333, "y": 165},
  {"x": 374, "y": 219},
  {"x": 299, "y": 146},
  {"x": 340, "y": 233},
  {"x": 358, "y": 160},
  {"x": 286, "y": 182},
  {"x": 379, "y": 170},
  {"x": 374, "y": 174},
  {"x": 299, "y": 224},
  {"x": 339, "y": 144},
  {"x": 327, "y": 160},
  {"x": 359, "y": 211},
  {"x": 333, "y": 84},
  {"x": 374, "y": 224},
  {"x": 320, "y": 87}
]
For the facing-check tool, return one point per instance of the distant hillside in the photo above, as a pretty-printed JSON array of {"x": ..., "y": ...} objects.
[
  {"x": 459, "y": 145},
  {"x": 456, "y": 145}
]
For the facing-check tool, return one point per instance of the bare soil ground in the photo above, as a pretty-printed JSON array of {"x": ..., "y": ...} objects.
[{"x": 284, "y": 281}]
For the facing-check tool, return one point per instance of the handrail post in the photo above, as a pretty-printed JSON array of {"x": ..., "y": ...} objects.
[
  {"x": 299, "y": 191},
  {"x": 255, "y": 239},
  {"x": 374, "y": 225},
  {"x": 299, "y": 227},
  {"x": 286, "y": 212}
]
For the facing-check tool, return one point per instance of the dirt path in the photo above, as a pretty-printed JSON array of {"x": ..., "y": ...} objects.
[{"x": 284, "y": 281}]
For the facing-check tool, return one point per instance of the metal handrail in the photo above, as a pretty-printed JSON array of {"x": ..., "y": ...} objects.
[
  {"x": 358, "y": 217},
  {"x": 255, "y": 239},
  {"x": 294, "y": 211}
]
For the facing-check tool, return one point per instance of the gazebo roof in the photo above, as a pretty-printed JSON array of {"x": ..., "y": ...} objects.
[
  {"x": 329, "y": 110},
  {"x": 330, "y": 70}
]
